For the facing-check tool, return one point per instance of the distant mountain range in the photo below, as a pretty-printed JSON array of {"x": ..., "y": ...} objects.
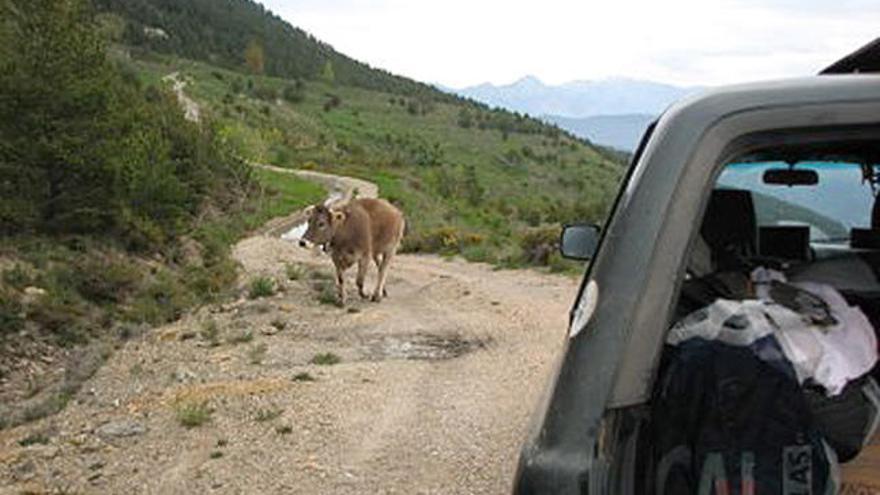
[
  {"x": 611, "y": 112},
  {"x": 622, "y": 132}
]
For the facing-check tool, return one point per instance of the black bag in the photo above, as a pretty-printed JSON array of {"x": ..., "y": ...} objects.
[
  {"x": 727, "y": 423},
  {"x": 849, "y": 419}
]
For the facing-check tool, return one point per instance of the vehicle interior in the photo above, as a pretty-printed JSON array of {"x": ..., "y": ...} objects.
[{"x": 807, "y": 215}]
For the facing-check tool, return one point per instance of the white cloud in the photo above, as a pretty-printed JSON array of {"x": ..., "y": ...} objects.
[{"x": 695, "y": 42}]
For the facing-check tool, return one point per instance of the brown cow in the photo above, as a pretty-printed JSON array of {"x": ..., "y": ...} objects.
[{"x": 362, "y": 230}]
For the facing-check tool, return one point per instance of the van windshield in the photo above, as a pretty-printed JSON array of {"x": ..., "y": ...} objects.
[{"x": 839, "y": 201}]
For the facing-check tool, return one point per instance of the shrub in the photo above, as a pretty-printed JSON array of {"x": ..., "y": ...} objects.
[
  {"x": 60, "y": 91},
  {"x": 293, "y": 95},
  {"x": 261, "y": 287},
  {"x": 241, "y": 338},
  {"x": 538, "y": 244},
  {"x": 266, "y": 93},
  {"x": 210, "y": 332},
  {"x": 193, "y": 414},
  {"x": 303, "y": 377},
  {"x": 294, "y": 271},
  {"x": 102, "y": 279},
  {"x": 325, "y": 359},
  {"x": 10, "y": 312}
]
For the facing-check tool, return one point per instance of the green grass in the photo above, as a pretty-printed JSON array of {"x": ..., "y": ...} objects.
[
  {"x": 241, "y": 338},
  {"x": 443, "y": 175},
  {"x": 303, "y": 377},
  {"x": 327, "y": 293},
  {"x": 286, "y": 193},
  {"x": 294, "y": 271},
  {"x": 326, "y": 359},
  {"x": 261, "y": 287},
  {"x": 193, "y": 414},
  {"x": 34, "y": 439}
]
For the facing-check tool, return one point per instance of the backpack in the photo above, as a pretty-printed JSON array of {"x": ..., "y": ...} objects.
[{"x": 725, "y": 422}]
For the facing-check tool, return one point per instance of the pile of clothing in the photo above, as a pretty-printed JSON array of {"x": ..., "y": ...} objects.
[{"x": 765, "y": 387}]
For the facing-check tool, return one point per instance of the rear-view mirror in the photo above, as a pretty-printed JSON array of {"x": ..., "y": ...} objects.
[
  {"x": 791, "y": 177},
  {"x": 579, "y": 242}
]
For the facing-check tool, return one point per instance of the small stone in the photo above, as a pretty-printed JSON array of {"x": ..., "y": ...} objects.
[
  {"x": 34, "y": 291},
  {"x": 268, "y": 330},
  {"x": 184, "y": 375},
  {"x": 118, "y": 429}
]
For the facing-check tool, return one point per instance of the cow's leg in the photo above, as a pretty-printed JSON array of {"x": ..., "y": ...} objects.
[
  {"x": 363, "y": 265},
  {"x": 383, "y": 272},
  {"x": 340, "y": 285},
  {"x": 377, "y": 258}
]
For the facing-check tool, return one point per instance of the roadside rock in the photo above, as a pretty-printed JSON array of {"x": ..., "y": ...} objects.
[{"x": 120, "y": 429}]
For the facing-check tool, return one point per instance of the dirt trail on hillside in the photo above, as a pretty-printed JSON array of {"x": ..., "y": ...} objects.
[
  {"x": 191, "y": 109},
  {"x": 339, "y": 189},
  {"x": 432, "y": 394}
]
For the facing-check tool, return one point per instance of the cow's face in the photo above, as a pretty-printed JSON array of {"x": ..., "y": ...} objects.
[{"x": 322, "y": 225}]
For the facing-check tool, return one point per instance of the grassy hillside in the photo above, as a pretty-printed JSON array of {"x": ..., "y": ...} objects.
[
  {"x": 471, "y": 179},
  {"x": 466, "y": 183}
]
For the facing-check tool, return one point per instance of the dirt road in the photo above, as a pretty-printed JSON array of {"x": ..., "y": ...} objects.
[{"x": 432, "y": 392}]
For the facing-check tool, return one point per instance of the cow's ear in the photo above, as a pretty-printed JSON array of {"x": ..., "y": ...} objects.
[
  {"x": 308, "y": 211},
  {"x": 338, "y": 216}
]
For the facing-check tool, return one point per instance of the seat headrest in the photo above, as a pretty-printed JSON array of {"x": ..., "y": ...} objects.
[
  {"x": 788, "y": 242},
  {"x": 729, "y": 226}
]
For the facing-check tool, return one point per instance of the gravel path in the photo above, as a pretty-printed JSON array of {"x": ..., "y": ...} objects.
[{"x": 432, "y": 392}]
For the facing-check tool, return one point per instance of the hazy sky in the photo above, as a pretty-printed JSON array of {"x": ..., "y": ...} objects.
[{"x": 690, "y": 42}]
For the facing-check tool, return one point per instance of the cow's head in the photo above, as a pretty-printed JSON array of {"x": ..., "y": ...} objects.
[{"x": 323, "y": 222}]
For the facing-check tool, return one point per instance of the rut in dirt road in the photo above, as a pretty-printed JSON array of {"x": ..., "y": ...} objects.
[{"x": 431, "y": 393}]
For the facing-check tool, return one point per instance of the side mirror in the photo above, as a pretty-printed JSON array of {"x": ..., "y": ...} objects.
[{"x": 579, "y": 242}]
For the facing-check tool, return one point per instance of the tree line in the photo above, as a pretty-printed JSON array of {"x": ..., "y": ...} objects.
[{"x": 85, "y": 148}]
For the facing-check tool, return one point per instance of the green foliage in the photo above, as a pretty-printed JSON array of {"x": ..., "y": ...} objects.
[
  {"x": 538, "y": 244},
  {"x": 242, "y": 338},
  {"x": 85, "y": 149},
  {"x": 11, "y": 320},
  {"x": 294, "y": 271},
  {"x": 327, "y": 293},
  {"x": 34, "y": 438},
  {"x": 303, "y": 377},
  {"x": 327, "y": 73},
  {"x": 193, "y": 414},
  {"x": 326, "y": 359},
  {"x": 210, "y": 332},
  {"x": 293, "y": 93},
  {"x": 261, "y": 287}
]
